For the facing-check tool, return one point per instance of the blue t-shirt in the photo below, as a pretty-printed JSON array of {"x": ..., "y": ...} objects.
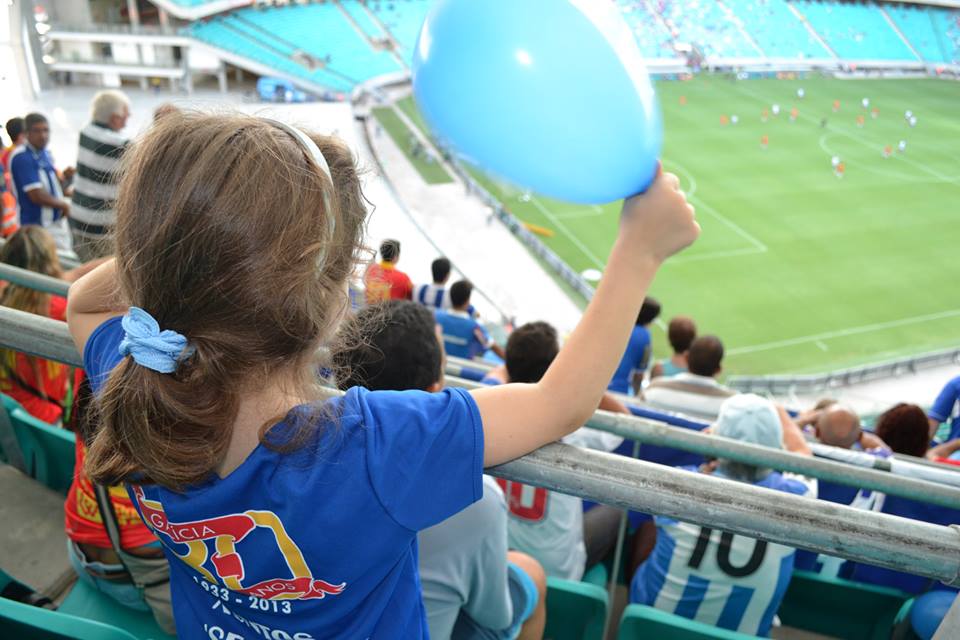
[
  {"x": 944, "y": 406},
  {"x": 635, "y": 358},
  {"x": 460, "y": 337},
  {"x": 730, "y": 581},
  {"x": 33, "y": 169},
  {"x": 319, "y": 542}
]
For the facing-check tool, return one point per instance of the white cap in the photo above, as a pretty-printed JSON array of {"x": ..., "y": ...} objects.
[{"x": 747, "y": 417}]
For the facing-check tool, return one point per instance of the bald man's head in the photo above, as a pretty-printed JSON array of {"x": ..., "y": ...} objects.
[{"x": 838, "y": 426}]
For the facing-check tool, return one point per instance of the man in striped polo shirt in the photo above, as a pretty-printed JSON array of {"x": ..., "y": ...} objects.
[{"x": 101, "y": 146}]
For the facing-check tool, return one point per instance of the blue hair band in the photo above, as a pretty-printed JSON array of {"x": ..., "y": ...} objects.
[{"x": 150, "y": 347}]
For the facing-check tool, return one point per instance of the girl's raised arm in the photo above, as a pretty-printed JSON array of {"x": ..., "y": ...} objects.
[
  {"x": 92, "y": 300},
  {"x": 518, "y": 418}
]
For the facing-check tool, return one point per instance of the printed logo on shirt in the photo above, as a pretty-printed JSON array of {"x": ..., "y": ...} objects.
[{"x": 226, "y": 562}]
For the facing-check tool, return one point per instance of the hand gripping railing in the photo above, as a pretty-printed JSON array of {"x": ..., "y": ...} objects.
[{"x": 864, "y": 536}]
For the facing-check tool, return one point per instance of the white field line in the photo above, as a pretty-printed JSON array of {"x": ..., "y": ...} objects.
[
  {"x": 581, "y": 213},
  {"x": 841, "y": 333},
  {"x": 576, "y": 241},
  {"x": 758, "y": 246},
  {"x": 863, "y": 142},
  {"x": 713, "y": 255}
]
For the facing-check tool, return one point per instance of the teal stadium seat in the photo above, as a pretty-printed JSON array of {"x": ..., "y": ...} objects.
[
  {"x": 86, "y": 602},
  {"x": 48, "y": 451},
  {"x": 575, "y": 610},
  {"x": 18, "y": 620},
  {"x": 640, "y": 622},
  {"x": 840, "y": 608}
]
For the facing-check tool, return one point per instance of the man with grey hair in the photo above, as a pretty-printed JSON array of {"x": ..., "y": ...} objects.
[
  {"x": 101, "y": 146},
  {"x": 715, "y": 577}
]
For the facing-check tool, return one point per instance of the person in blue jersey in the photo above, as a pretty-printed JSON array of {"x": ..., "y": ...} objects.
[
  {"x": 945, "y": 410},
  {"x": 636, "y": 358},
  {"x": 463, "y": 335},
  {"x": 730, "y": 581},
  {"x": 39, "y": 188},
  {"x": 473, "y": 587},
  {"x": 282, "y": 514},
  {"x": 435, "y": 294},
  {"x": 680, "y": 333}
]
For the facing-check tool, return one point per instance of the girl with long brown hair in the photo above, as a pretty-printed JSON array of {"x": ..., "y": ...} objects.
[{"x": 284, "y": 516}]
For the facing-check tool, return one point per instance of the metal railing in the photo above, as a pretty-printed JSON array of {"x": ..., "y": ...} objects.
[
  {"x": 33, "y": 280},
  {"x": 863, "y": 536},
  {"x": 927, "y": 485}
]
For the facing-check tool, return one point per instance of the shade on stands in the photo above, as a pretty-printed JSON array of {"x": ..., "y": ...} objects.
[{"x": 865, "y": 536}]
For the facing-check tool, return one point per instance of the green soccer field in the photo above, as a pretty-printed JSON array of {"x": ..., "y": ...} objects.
[{"x": 797, "y": 270}]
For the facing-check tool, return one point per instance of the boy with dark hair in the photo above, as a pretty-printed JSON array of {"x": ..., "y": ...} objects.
[
  {"x": 696, "y": 392},
  {"x": 15, "y": 129},
  {"x": 473, "y": 587},
  {"x": 463, "y": 336},
  {"x": 550, "y": 526},
  {"x": 629, "y": 374},
  {"x": 680, "y": 333},
  {"x": 435, "y": 294},
  {"x": 384, "y": 281}
]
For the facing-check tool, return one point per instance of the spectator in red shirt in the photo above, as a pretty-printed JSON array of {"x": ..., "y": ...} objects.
[{"x": 384, "y": 281}]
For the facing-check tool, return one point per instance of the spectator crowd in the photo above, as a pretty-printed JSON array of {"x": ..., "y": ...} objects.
[{"x": 485, "y": 549}]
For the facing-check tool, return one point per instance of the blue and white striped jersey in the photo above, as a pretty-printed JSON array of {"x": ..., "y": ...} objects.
[{"x": 715, "y": 577}]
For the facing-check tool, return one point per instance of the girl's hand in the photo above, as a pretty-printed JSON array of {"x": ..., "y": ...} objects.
[{"x": 659, "y": 222}]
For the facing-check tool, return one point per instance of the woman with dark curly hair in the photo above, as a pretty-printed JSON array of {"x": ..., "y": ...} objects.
[{"x": 905, "y": 429}]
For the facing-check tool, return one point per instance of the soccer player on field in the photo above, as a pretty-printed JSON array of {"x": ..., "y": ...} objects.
[
  {"x": 794, "y": 112},
  {"x": 836, "y": 106},
  {"x": 902, "y": 146},
  {"x": 887, "y": 151},
  {"x": 839, "y": 170},
  {"x": 860, "y": 121},
  {"x": 764, "y": 141}
]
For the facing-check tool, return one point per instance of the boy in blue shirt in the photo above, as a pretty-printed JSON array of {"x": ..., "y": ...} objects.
[
  {"x": 636, "y": 358},
  {"x": 463, "y": 336}
]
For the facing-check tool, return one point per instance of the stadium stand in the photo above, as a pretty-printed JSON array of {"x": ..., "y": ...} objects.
[
  {"x": 917, "y": 24},
  {"x": 705, "y": 23},
  {"x": 337, "y": 57},
  {"x": 649, "y": 29},
  {"x": 777, "y": 30},
  {"x": 403, "y": 19},
  {"x": 855, "y": 31}
]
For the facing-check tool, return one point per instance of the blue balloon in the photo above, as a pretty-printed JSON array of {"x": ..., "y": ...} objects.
[
  {"x": 550, "y": 94},
  {"x": 928, "y": 612}
]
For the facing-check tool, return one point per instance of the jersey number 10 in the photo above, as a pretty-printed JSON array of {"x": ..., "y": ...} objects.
[{"x": 723, "y": 554}]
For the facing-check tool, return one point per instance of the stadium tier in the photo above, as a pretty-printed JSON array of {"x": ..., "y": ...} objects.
[
  {"x": 855, "y": 32},
  {"x": 338, "y": 45},
  {"x": 778, "y": 31}
]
